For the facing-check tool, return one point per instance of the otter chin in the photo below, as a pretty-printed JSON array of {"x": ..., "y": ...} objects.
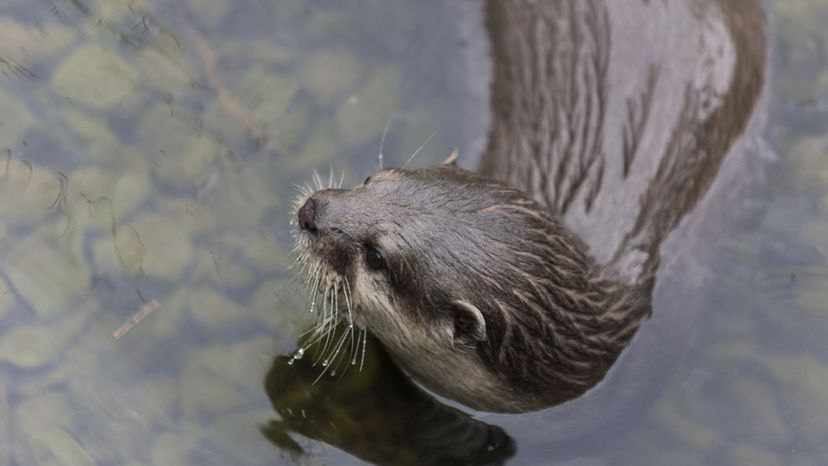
[{"x": 477, "y": 291}]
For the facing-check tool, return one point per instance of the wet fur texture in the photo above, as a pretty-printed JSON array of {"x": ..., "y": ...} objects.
[
  {"x": 454, "y": 243},
  {"x": 517, "y": 289}
]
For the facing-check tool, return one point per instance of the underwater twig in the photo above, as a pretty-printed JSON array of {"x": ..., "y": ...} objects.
[{"x": 136, "y": 318}]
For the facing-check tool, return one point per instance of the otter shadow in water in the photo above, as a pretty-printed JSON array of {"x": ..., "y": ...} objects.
[{"x": 376, "y": 414}]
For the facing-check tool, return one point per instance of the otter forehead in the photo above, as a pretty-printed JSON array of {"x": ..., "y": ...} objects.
[
  {"x": 392, "y": 201},
  {"x": 478, "y": 233}
]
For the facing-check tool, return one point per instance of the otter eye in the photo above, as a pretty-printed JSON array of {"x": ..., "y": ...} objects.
[{"x": 374, "y": 259}]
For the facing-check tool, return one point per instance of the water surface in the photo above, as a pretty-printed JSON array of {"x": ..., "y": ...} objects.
[{"x": 149, "y": 150}]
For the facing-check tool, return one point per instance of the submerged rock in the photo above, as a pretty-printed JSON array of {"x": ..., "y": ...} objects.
[
  {"x": 803, "y": 380},
  {"x": 29, "y": 347},
  {"x": 215, "y": 382},
  {"x": 168, "y": 245},
  {"x": 95, "y": 77},
  {"x": 16, "y": 120},
  {"x": 53, "y": 446},
  {"x": 43, "y": 434},
  {"x": 214, "y": 310},
  {"x": 39, "y": 42},
  {"x": 30, "y": 192},
  {"x": 50, "y": 275}
]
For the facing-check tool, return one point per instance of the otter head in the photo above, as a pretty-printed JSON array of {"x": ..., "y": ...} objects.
[{"x": 470, "y": 284}]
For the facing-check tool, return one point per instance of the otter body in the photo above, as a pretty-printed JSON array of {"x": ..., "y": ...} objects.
[{"x": 517, "y": 288}]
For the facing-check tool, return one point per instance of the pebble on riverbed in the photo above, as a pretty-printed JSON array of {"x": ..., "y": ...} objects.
[
  {"x": 48, "y": 272},
  {"x": 113, "y": 77}
]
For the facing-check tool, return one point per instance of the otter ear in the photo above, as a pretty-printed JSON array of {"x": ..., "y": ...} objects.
[
  {"x": 452, "y": 158},
  {"x": 469, "y": 324}
]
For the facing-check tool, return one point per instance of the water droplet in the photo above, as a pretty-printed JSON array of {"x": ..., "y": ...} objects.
[
  {"x": 290, "y": 362},
  {"x": 325, "y": 363},
  {"x": 351, "y": 326},
  {"x": 299, "y": 353},
  {"x": 333, "y": 372}
]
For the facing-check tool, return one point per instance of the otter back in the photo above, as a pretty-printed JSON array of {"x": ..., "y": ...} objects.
[{"x": 618, "y": 114}]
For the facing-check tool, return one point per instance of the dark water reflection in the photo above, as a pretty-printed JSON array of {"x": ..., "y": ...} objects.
[
  {"x": 376, "y": 414},
  {"x": 150, "y": 150}
]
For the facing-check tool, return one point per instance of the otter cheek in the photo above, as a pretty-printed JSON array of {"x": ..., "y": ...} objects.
[
  {"x": 338, "y": 254},
  {"x": 371, "y": 300}
]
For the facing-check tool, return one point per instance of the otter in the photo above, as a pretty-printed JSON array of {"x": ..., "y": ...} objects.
[{"x": 517, "y": 287}]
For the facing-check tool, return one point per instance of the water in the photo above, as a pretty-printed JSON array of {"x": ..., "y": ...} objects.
[{"x": 150, "y": 150}]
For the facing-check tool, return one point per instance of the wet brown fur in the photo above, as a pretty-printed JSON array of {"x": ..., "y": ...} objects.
[{"x": 556, "y": 311}]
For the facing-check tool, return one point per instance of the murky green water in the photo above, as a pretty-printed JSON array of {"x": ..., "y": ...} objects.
[{"x": 150, "y": 150}]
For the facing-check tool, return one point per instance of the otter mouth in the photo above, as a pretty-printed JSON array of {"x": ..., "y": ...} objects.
[
  {"x": 322, "y": 268},
  {"x": 322, "y": 262},
  {"x": 326, "y": 283}
]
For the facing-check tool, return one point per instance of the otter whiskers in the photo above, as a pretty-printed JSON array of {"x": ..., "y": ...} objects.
[
  {"x": 382, "y": 139},
  {"x": 419, "y": 149},
  {"x": 330, "y": 297}
]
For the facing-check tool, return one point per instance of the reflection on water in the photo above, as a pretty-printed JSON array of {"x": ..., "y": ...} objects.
[
  {"x": 149, "y": 150},
  {"x": 376, "y": 414}
]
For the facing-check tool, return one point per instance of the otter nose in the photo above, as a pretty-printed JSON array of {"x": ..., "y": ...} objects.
[{"x": 307, "y": 216}]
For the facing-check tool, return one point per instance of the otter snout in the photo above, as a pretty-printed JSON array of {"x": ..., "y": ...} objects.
[{"x": 307, "y": 215}]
